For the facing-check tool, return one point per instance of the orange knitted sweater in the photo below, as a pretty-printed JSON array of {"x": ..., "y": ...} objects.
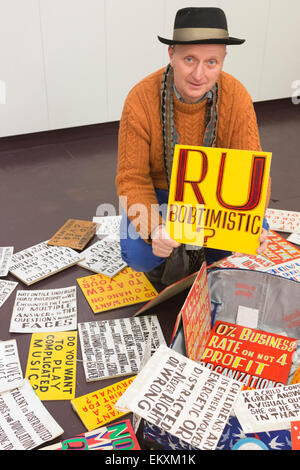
[{"x": 140, "y": 154}]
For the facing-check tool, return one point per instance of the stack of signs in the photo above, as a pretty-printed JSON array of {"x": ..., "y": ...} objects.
[
  {"x": 24, "y": 421},
  {"x": 51, "y": 365},
  {"x": 11, "y": 375},
  {"x": 6, "y": 253},
  {"x": 196, "y": 317},
  {"x": 256, "y": 358},
  {"x": 74, "y": 234},
  {"x": 6, "y": 288},
  {"x": 182, "y": 397},
  {"x": 108, "y": 226},
  {"x": 283, "y": 221},
  {"x": 217, "y": 197},
  {"x": 104, "y": 257},
  {"x": 126, "y": 288},
  {"x": 40, "y": 261},
  {"x": 268, "y": 410},
  {"x": 113, "y": 348},
  {"x": 44, "y": 310},
  {"x": 117, "y": 436},
  {"x": 98, "y": 408}
]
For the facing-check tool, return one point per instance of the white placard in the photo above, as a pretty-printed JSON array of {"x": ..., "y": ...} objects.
[
  {"x": 294, "y": 238},
  {"x": 6, "y": 288},
  {"x": 268, "y": 409},
  {"x": 24, "y": 421},
  {"x": 182, "y": 397},
  {"x": 40, "y": 261},
  {"x": 44, "y": 310},
  {"x": 11, "y": 375},
  {"x": 6, "y": 253},
  {"x": 247, "y": 316},
  {"x": 109, "y": 226},
  {"x": 283, "y": 221},
  {"x": 104, "y": 257},
  {"x": 113, "y": 348}
]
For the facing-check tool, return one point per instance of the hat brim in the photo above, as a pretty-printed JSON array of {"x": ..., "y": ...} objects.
[{"x": 228, "y": 41}]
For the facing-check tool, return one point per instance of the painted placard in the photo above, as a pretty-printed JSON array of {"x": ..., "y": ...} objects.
[
  {"x": 44, "y": 310},
  {"x": 6, "y": 288},
  {"x": 279, "y": 250},
  {"x": 220, "y": 192},
  {"x": 268, "y": 410},
  {"x": 196, "y": 316},
  {"x": 251, "y": 262},
  {"x": 289, "y": 270},
  {"x": 112, "y": 348},
  {"x": 126, "y": 288},
  {"x": 11, "y": 375},
  {"x": 116, "y": 436},
  {"x": 24, "y": 421},
  {"x": 97, "y": 408},
  {"x": 256, "y": 358},
  {"x": 41, "y": 261},
  {"x": 74, "y": 234},
  {"x": 283, "y": 221},
  {"x": 51, "y": 365},
  {"x": 104, "y": 257},
  {"x": 182, "y": 397},
  {"x": 6, "y": 253}
]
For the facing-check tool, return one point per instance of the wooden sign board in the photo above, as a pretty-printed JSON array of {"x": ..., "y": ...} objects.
[
  {"x": 217, "y": 197},
  {"x": 74, "y": 234}
]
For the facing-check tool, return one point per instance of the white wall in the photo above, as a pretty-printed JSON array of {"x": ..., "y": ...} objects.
[{"x": 69, "y": 63}]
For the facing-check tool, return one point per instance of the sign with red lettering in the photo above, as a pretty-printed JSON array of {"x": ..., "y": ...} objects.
[
  {"x": 256, "y": 358},
  {"x": 196, "y": 317},
  {"x": 217, "y": 197},
  {"x": 279, "y": 250}
]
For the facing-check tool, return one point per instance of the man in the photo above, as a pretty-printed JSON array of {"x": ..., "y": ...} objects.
[{"x": 191, "y": 102}]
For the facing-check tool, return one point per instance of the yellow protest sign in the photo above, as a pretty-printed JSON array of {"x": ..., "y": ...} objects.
[
  {"x": 126, "y": 288},
  {"x": 97, "y": 408},
  {"x": 217, "y": 197},
  {"x": 51, "y": 365}
]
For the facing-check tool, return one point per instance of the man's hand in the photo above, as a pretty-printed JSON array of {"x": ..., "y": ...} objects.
[
  {"x": 263, "y": 240},
  {"x": 162, "y": 243}
]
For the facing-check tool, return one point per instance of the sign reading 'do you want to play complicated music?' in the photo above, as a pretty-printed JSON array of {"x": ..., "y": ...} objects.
[
  {"x": 51, "y": 365},
  {"x": 217, "y": 197}
]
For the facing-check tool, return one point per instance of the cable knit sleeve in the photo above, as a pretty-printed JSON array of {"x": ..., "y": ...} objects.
[
  {"x": 134, "y": 180},
  {"x": 237, "y": 119}
]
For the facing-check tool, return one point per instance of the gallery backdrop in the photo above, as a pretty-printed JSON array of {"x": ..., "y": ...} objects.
[{"x": 67, "y": 63}]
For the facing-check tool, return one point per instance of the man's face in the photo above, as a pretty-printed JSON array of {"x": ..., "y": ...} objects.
[{"x": 196, "y": 68}]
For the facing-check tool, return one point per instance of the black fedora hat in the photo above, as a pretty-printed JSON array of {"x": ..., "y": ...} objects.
[{"x": 203, "y": 25}]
